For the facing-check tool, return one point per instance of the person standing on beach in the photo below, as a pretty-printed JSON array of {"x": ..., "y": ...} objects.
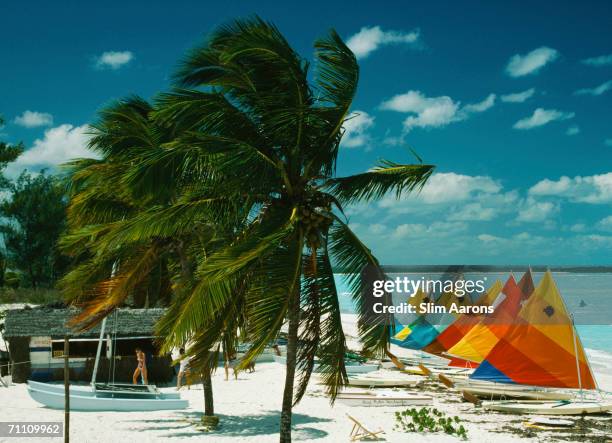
[
  {"x": 142, "y": 367},
  {"x": 183, "y": 370}
]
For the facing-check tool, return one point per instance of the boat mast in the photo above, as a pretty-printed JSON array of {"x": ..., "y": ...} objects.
[
  {"x": 576, "y": 353},
  {"x": 101, "y": 338},
  {"x": 98, "y": 352}
]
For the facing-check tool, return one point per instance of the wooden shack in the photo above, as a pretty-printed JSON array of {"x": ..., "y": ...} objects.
[{"x": 36, "y": 343}]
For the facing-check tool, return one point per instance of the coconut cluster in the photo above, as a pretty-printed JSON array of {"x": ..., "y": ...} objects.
[{"x": 315, "y": 221}]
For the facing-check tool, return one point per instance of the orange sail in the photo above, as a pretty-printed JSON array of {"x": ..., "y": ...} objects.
[
  {"x": 460, "y": 327},
  {"x": 542, "y": 348},
  {"x": 481, "y": 338}
]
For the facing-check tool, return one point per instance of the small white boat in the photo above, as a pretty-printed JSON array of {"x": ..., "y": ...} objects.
[
  {"x": 525, "y": 392},
  {"x": 369, "y": 380},
  {"x": 383, "y": 398},
  {"x": 434, "y": 371},
  {"x": 104, "y": 398},
  {"x": 352, "y": 367},
  {"x": 577, "y": 407}
]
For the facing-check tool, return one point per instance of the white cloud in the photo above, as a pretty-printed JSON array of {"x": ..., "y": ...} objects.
[
  {"x": 598, "y": 90},
  {"x": 58, "y": 145},
  {"x": 518, "y": 97},
  {"x": 602, "y": 60},
  {"x": 114, "y": 59},
  {"x": 541, "y": 117},
  {"x": 488, "y": 238},
  {"x": 369, "y": 39},
  {"x": 437, "y": 229},
  {"x": 445, "y": 188},
  {"x": 531, "y": 63},
  {"x": 32, "y": 119},
  {"x": 578, "y": 227},
  {"x": 482, "y": 106},
  {"x": 449, "y": 186},
  {"x": 356, "y": 127},
  {"x": 433, "y": 112},
  {"x": 573, "y": 130},
  {"x": 473, "y": 212},
  {"x": 536, "y": 211},
  {"x": 605, "y": 224},
  {"x": 589, "y": 189}
]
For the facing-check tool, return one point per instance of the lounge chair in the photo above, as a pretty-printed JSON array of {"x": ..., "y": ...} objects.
[{"x": 360, "y": 432}]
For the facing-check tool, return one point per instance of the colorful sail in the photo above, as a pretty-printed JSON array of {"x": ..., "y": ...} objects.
[
  {"x": 425, "y": 328},
  {"x": 460, "y": 327},
  {"x": 479, "y": 341},
  {"x": 542, "y": 348},
  {"x": 402, "y": 330}
]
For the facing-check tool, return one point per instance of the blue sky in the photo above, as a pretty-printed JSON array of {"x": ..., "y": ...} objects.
[{"x": 512, "y": 103}]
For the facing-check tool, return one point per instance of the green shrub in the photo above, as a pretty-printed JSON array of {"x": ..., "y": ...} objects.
[
  {"x": 12, "y": 279},
  {"x": 429, "y": 420}
]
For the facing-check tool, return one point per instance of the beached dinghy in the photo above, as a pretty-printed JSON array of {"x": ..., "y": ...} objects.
[
  {"x": 526, "y": 392},
  {"x": 107, "y": 400},
  {"x": 383, "y": 398},
  {"x": 105, "y": 390},
  {"x": 105, "y": 397},
  {"x": 378, "y": 379},
  {"x": 576, "y": 407}
]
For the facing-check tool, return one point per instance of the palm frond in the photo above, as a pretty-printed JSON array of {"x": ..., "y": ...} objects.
[
  {"x": 384, "y": 178},
  {"x": 359, "y": 267}
]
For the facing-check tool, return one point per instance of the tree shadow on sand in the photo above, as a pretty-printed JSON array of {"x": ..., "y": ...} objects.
[{"x": 266, "y": 423}]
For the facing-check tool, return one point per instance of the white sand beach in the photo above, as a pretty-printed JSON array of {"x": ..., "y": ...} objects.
[{"x": 249, "y": 410}]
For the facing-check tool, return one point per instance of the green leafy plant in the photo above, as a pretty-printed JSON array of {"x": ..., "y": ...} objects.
[{"x": 429, "y": 420}]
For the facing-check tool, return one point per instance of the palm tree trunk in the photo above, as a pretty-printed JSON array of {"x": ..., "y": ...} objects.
[
  {"x": 292, "y": 338},
  {"x": 209, "y": 405}
]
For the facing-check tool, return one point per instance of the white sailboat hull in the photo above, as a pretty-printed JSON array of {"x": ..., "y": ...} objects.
[
  {"x": 86, "y": 390},
  {"x": 550, "y": 407},
  {"x": 382, "y": 381},
  {"x": 83, "y": 401},
  {"x": 525, "y": 392}
]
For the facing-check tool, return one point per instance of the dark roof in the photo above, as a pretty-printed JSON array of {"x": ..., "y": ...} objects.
[{"x": 49, "y": 322}]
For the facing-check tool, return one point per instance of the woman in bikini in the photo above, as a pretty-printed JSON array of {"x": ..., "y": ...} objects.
[{"x": 142, "y": 367}]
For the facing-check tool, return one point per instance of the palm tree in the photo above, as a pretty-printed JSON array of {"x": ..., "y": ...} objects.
[
  {"x": 262, "y": 134},
  {"x": 151, "y": 240}
]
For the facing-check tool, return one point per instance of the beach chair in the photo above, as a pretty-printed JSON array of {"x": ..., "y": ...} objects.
[{"x": 360, "y": 432}]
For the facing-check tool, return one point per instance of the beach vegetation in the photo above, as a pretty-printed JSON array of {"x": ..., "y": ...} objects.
[
  {"x": 33, "y": 216},
  {"x": 429, "y": 420}
]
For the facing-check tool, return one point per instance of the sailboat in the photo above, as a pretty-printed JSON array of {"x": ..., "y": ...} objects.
[
  {"x": 481, "y": 338},
  {"x": 105, "y": 396},
  {"x": 462, "y": 325},
  {"x": 542, "y": 352}
]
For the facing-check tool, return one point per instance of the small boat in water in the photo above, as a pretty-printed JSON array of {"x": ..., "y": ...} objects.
[
  {"x": 576, "y": 407},
  {"x": 383, "y": 398}
]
